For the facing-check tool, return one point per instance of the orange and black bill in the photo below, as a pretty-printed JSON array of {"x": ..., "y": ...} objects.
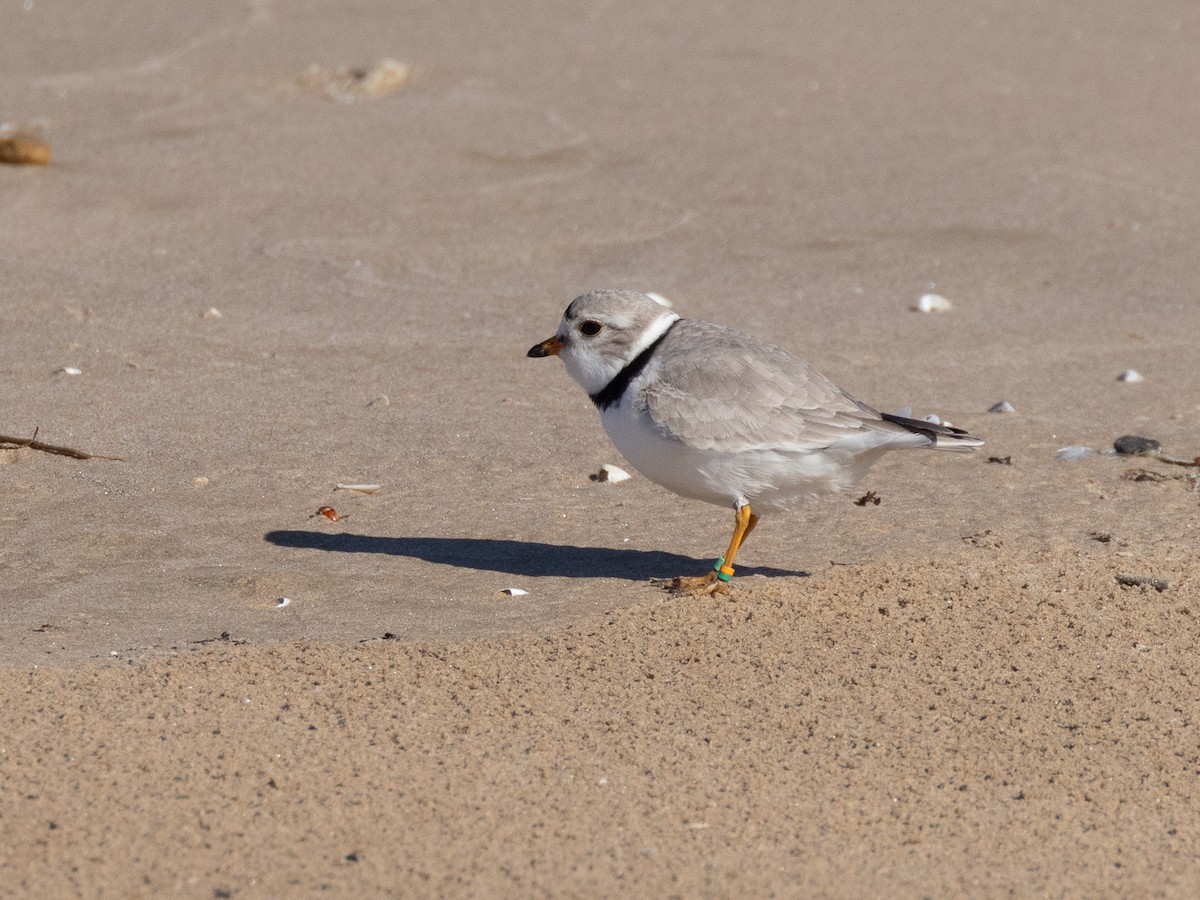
[{"x": 548, "y": 347}]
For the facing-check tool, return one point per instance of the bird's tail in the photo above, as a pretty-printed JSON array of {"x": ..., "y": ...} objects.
[{"x": 941, "y": 437}]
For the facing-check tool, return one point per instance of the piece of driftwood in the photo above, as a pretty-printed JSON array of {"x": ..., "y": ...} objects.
[{"x": 7, "y": 442}]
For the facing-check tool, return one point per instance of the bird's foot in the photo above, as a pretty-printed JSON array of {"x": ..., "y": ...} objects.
[{"x": 693, "y": 584}]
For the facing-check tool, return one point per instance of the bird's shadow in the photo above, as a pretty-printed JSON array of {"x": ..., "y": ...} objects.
[{"x": 528, "y": 558}]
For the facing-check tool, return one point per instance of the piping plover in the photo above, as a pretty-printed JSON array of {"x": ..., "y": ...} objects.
[{"x": 717, "y": 415}]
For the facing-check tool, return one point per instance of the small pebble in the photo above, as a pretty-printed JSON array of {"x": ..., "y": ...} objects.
[
  {"x": 1132, "y": 444},
  {"x": 1073, "y": 453},
  {"x": 1002, "y": 407},
  {"x": 24, "y": 150},
  {"x": 328, "y": 512},
  {"x": 1131, "y": 375},
  {"x": 933, "y": 303},
  {"x": 70, "y": 370},
  {"x": 213, "y": 313},
  {"x": 361, "y": 488}
]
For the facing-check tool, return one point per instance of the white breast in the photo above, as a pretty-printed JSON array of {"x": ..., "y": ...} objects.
[{"x": 664, "y": 460}]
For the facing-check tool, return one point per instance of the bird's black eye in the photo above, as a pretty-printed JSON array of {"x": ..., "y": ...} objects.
[{"x": 591, "y": 328}]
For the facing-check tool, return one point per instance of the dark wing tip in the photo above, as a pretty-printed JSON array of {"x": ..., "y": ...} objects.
[{"x": 942, "y": 436}]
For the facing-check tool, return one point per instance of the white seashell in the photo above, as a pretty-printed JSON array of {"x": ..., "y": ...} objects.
[
  {"x": 1131, "y": 375},
  {"x": 346, "y": 84},
  {"x": 1069, "y": 454},
  {"x": 385, "y": 76},
  {"x": 361, "y": 488},
  {"x": 213, "y": 313},
  {"x": 70, "y": 370},
  {"x": 1002, "y": 407},
  {"x": 514, "y": 592},
  {"x": 282, "y": 602},
  {"x": 611, "y": 473},
  {"x": 933, "y": 303}
]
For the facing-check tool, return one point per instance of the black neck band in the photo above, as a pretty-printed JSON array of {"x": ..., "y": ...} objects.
[{"x": 611, "y": 393}]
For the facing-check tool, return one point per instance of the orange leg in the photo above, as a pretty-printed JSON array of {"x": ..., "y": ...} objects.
[
  {"x": 743, "y": 523},
  {"x": 717, "y": 580}
]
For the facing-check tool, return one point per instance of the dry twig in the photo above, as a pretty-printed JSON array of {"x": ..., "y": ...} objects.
[{"x": 7, "y": 442}]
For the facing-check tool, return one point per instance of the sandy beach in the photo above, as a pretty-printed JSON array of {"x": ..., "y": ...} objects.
[{"x": 255, "y": 269}]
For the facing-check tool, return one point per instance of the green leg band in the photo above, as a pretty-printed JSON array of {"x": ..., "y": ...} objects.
[{"x": 718, "y": 566}]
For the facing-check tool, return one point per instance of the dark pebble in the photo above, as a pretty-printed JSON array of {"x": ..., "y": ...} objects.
[{"x": 1133, "y": 444}]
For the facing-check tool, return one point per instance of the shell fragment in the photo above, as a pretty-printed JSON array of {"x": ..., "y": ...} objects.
[
  {"x": 611, "y": 473},
  {"x": 930, "y": 303}
]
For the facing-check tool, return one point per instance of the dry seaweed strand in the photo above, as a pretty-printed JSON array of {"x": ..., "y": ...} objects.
[
  {"x": 1125, "y": 580},
  {"x": 7, "y": 442}
]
